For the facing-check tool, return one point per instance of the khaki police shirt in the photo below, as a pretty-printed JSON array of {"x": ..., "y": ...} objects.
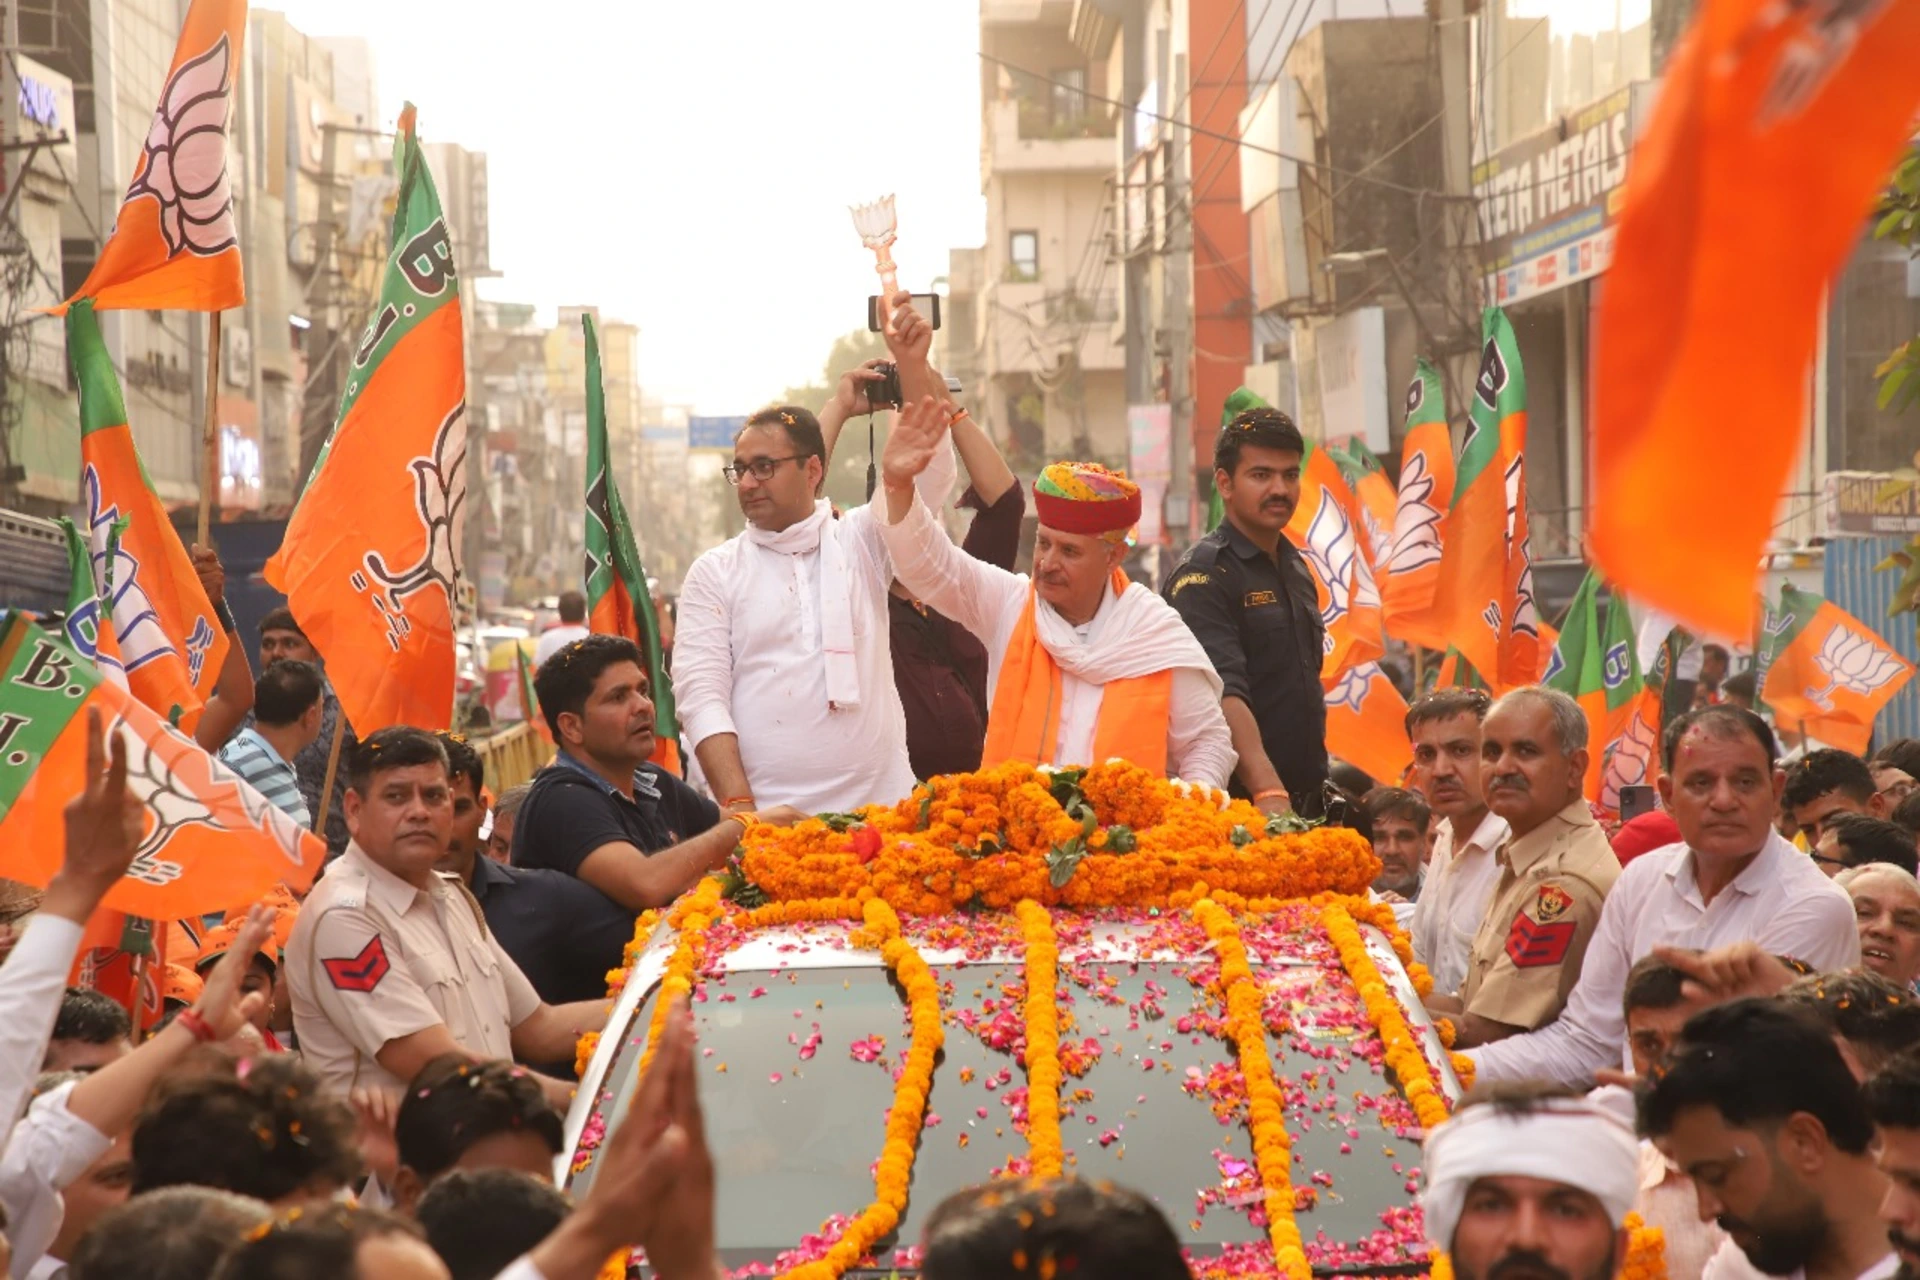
[
  {"x": 1546, "y": 901},
  {"x": 373, "y": 959}
]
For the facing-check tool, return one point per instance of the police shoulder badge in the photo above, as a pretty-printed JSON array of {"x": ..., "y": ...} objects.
[{"x": 1551, "y": 903}]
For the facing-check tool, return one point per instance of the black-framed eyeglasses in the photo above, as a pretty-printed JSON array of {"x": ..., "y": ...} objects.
[
  {"x": 1825, "y": 861},
  {"x": 762, "y": 468}
]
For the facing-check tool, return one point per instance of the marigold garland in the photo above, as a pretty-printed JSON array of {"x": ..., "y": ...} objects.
[
  {"x": 1403, "y": 1053},
  {"x": 1646, "y": 1254},
  {"x": 1044, "y": 1148},
  {"x": 1241, "y": 993},
  {"x": 894, "y": 1172},
  {"x": 690, "y": 917},
  {"x": 643, "y": 927}
]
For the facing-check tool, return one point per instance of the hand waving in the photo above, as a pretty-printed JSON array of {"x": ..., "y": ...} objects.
[
  {"x": 221, "y": 1006},
  {"x": 912, "y": 336},
  {"x": 920, "y": 431},
  {"x": 104, "y": 824}
]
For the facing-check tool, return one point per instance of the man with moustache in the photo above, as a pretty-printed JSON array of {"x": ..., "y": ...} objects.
[
  {"x": 1757, "y": 1107},
  {"x": 1555, "y": 869},
  {"x": 1893, "y": 1101},
  {"x": 1399, "y": 819},
  {"x": 1445, "y": 729},
  {"x": 1249, "y": 598},
  {"x": 1732, "y": 879},
  {"x": 1531, "y": 1183}
]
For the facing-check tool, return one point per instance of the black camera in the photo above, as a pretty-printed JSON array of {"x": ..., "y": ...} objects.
[{"x": 884, "y": 392}]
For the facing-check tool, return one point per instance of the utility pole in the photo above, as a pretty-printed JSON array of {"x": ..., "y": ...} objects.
[
  {"x": 1461, "y": 279},
  {"x": 1177, "y": 305},
  {"x": 321, "y": 397}
]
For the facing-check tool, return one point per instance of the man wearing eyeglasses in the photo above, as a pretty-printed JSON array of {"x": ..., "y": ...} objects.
[{"x": 782, "y": 664}]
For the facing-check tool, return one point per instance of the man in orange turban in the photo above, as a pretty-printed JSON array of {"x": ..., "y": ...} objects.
[{"x": 1083, "y": 666}]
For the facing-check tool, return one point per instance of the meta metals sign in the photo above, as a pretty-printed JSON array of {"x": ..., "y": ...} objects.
[
  {"x": 1548, "y": 203},
  {"x": 1855, "y": 506},
  {"x": 713, "y": 433}
]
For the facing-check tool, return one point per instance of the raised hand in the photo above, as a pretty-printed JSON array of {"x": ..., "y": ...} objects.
[
  {"x": 213, "y": 576},
  {"x": 104, "y": 825},
  {"x": 850, "y": 397},
  {"x": 920, "y": 431},
  {"x": 912, "y": 336},
  {"x": 221, "y": 1006}
]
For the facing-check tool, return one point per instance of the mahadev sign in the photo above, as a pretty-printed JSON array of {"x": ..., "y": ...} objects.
[
  {"x": 1855, "y": 506},
  {"x": 1547, "y": 204}
]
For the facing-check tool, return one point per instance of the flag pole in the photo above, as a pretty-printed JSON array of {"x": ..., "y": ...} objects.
[
  {"x": 210, "y": 431},
  {"x": 326, "y": 787}
]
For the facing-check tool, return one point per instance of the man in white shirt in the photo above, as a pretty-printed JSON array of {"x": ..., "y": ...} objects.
[
  {"x": 572, "y": 626},
  {"x": 782, "y": 664},
  {"x": 1082, "y": 665},
  {"x": 1445, "y": 728},
  {"x": 1757, "y": 1107},
  {"x": 1731, "y": 879}
]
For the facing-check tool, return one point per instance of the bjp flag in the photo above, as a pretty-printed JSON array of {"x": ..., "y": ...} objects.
[
  {"x": 170, "y": 645},
  {"x": 1455, "y": 672},
  {"x": 1411, "y": 571},
  {"x": 618, "y": 602},
  {"x": 1715, "y": 275},
  {"x": 370, "y": 563},
  {"x": 1367, "y": 723},
  {"x": 1830, "y": 674},
  {"x": 1597, "y": 664},
  {"x": 174, "y": 247},
  {"x": 210, "y": 841},
  {"x": 1324, "y": 530},
  {"x": 1372, "y": 499},
  {"x": 1485, "y": 583}
]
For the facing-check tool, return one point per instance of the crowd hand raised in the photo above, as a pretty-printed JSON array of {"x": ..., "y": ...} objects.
[
  {"x": 850, "y": 397},
  {"x": 918, "y": 434},
  {"x": 1727, "y": 973},
  {"x": 376, "y": 1110},
  {"x": 213, "y": 577},
  {"x": 912, "y": 337},
  {"x": 226, "y": 1012},
  {"x": 104, "y": 824}
]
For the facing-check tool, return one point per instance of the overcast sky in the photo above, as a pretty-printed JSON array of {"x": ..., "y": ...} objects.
[{"x": 687, "y": 167}]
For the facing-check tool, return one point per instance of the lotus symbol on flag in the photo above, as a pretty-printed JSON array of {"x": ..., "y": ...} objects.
[
  {"x": 1628, "y": 761},
  {"x": 184, "y": 166},
  {"x": 1416, "y": 521},
  {"x": 440, "y": 504},
  {"x": 170, "y": 809},
  {"x": 1351, "y": 690},
  {"x": 1853, "y": 662},
  {"x": 1331, "y": 549},
  {"x": 135, "y": 621}
]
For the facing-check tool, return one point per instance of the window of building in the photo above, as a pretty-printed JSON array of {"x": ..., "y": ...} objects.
[
  {"x": 1069, "y": 94},
  {"x": 1023, "y": 254}
]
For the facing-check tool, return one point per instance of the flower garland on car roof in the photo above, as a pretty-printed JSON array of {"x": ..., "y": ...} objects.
[{"x": 1044, "y": 1149}]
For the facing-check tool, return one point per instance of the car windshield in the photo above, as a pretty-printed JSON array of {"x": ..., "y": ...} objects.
[{"x": 798, "y": 1065}]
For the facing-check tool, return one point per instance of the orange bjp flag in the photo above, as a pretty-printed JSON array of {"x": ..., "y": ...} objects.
[
  {"x": 1367, "y": 723},
  {"x": 1775, "y": 129},
  {"x": 1830, "y": 673},
  {"x": 174, "y": 247},
  {"x": 169, "y": 642},
  {"x": 1332, "y": 544},
  {"x": 1485, "y": 585},
  {"x": 371, "y": 559},
  {"x": 1411, "y": 571},
  {"x": 210, "y": 841}
]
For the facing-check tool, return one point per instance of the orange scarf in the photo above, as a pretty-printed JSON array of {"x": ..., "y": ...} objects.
[{"x": 1024, "y": 723}]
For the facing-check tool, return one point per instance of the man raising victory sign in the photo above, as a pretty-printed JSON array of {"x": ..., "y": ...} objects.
[{"x": 1083, "y": 666}]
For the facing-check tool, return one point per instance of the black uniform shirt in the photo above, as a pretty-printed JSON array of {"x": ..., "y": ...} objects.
[{"x": 1259, "y": 620}]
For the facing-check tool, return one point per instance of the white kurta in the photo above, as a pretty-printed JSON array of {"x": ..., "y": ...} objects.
[
  {"x": 987, "y": 600},
  {"x": 749, "y": 659}
]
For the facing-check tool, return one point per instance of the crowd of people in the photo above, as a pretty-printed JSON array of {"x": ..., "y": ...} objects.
[{"x": 1705, "y": 1015}]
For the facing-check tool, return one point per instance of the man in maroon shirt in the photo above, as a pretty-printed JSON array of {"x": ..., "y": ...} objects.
[{"x": 939, "y": 667}]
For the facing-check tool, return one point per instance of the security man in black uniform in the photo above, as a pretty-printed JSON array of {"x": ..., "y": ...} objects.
[{"x": 1250, "y": 600}]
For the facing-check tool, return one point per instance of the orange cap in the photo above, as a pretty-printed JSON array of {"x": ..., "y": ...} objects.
[
  {"x": 180, "y": 983},
  {"x": 220, "y": 939}
]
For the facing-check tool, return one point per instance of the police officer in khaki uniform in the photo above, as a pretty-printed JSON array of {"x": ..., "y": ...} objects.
[
  {"x": 1555, "y": 870},
  {"x": 391, "y": 964}
]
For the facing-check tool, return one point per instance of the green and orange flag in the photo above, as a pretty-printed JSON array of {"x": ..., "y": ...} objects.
[
  {"x": 1372, "y": 499},
  {"x": 209, "y": 842},
  {"x": 170, "y": 642},
  {"x": 1455, "y": 672},
  {"x": 1411, "y": 571},
  {"x": 1596, "y": 663},
  {"x": 529, "y": 698},
  {"x": 1485, "y": 583},
  {"x": 618, "y": 602},
  {"x": 370, "y": 563},
  {"x": 1715, "y": 278},
  {"x": 174, "y": 246},
  {"x": 1827, "y": 673}
]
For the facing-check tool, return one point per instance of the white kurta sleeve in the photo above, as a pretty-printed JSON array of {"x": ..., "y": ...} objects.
[
  {"x": 1591, "y": 1032},
  {"x": 971, "y": 592},
  {"x": 703, "y": 651},
  {"x": 31, "y": 986},
  {"x": 1199, "y": 744},
  {"x": 48, "y": 1149}
]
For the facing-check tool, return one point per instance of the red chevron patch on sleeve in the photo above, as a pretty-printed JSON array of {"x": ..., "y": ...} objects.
[
  {"x": 362, "y": 972},
  {"x": 1531, "y": 945}
]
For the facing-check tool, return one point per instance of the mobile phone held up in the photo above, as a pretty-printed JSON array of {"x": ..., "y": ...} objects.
[
  {"x": 927, "y": 304},
  {"x": 1636, "y": 800}
]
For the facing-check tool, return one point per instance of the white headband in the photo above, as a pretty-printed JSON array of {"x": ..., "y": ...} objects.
[{"x": 1566, "y": 1140}]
